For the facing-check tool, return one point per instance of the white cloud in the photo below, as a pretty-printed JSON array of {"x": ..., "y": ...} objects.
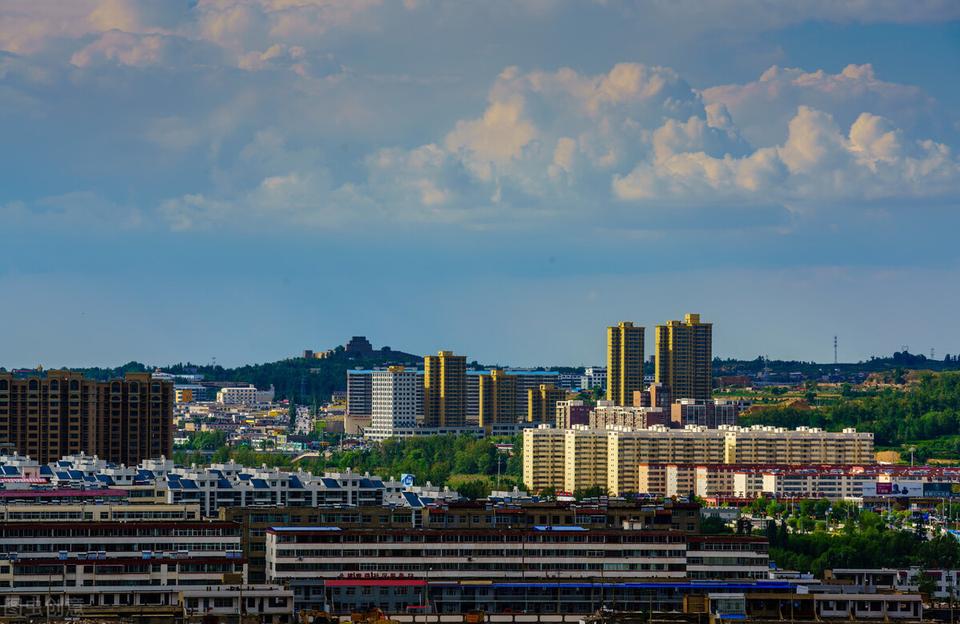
[
  {"x": 123, "y": 49},
  {"x": 549, "y": 141},
  {"x": 493, "y": 140},
  {"x": 763, "y": 108},
  {"x": 817, "y": 162}
]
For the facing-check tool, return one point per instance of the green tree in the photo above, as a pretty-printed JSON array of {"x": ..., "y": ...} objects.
[{"x": 474, "y": 490}]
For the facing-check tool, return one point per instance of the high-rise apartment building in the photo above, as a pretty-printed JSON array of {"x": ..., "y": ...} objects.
[
  {"x": 543, "y": 459},
  {"x": 359, "y": 392},
  {"x": 444, "y": 390},
  {"x": 542, "y": 403},
  {"x": 684, "y": 358},
  {"x": 498, "y": 400},
  {"x": 624, "y": 362},
  {"x": 48, "y": 417},
  {"x": 394, "y": 404},
  {"x": 122, "y": 421},
  {"x": 134, "y": 419}
]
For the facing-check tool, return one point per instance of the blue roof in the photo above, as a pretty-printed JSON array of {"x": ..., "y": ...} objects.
[
  {"x": 10, "y": 470},
  {"x": 189, "y": 484},
  {"x": 558, "y": 527},
  {"x": 243, "y": 476},
  {"x": 412, "y": 499},
  {"x": 46, "y": 470},
  {"x": 63, "y": 475},
  {"x": 145, "y": 474},
  {"x": 174, "y": 485},
  {"x": 295, "y": 482},
  {"x": 329, "y": 482},
  {"x": 223, "y": 484},
  {"x": 173, "y": 476},
  {"x": 76, "y": 474},
  {"x": 105, "y": 479},
  {"x": 259, "y": 484}
]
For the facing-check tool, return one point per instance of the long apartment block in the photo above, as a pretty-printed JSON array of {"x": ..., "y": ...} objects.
[
  {"x": 167, "y": 569},
  {"x": 580, "y": 458},
  {"x": 314, "y": 561}
]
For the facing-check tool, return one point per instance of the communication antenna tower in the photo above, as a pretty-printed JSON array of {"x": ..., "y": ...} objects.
[
  {"x": 834, "y": 349},
  {"x": 933, "y": 355}
]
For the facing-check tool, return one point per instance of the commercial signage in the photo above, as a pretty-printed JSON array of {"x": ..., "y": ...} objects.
[
  {"x": 941, "y": 490},
  {"x": 892, "y": 489}
]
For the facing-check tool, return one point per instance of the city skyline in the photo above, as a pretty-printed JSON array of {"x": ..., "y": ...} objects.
[{"x": 244, "y": 176}]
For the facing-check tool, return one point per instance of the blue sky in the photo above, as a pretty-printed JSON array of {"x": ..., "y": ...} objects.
[{"x": 242, "y": 179}]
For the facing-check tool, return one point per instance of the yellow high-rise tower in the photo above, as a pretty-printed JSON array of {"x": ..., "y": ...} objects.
[
  {"x": 498, "y": 400},
  {"x": 624, "y": 362},
  {"x": 542, "y": 403},
  {"x": 445, "y": 390},
  {"x": 684, "y": 358}
]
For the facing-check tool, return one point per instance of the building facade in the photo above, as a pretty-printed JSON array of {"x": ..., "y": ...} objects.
[
  {"x": 444, "y": 390},
  {"x": 124, "y": 420},
  {"x": 498, "y": 400},
  {"x": 684, "y": 358},
  {"x": 624, "y": 362},
  {"x": 611, "y": 458},
  {"x": 393, "y": 403},
  {"x": 542, "y": 403}
]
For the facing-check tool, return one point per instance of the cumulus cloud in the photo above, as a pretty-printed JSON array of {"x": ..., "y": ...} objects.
[
  {"x": 818, "y": 161},
  {"x": 547, "y": 142},
  {"x": 764, "y": 107},
  {"x": 278, "y": 122}
]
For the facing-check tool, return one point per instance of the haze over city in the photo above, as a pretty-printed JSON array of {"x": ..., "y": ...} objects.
[{"x": 242, "y": 180}]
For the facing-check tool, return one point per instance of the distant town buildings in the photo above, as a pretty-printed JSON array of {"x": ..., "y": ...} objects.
[
  {"x": 245, "y": 395},
  {"x": 594, "y": 377}
]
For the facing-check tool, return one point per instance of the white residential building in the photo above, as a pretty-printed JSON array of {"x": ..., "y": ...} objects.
[
  {"x": 393, "y": 403},
  {"x": 594, "y": 377},
  {"x": 245, "y": 395}
]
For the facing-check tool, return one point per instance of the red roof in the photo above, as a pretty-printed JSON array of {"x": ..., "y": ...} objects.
[
  {"x": 374, "y": 582},
  {"x": 61, "y": 493}
]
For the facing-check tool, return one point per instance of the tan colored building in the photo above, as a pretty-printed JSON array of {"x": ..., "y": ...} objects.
[
  {"x": 605, "y": 414},
  {"x": 123, "y": 420},
  {"x": 585, "y": 460},
  {"x": 572, "y": 412},
  {"x": 543, "y": 459},
  {"x": 803, "y": 446},
  {"x": 613, "y": 458},
  {"x": 684, "y": 358},
  {"x": 444, "y": 390},
  {"x": 542, "y": 403},
  {"x": 624, "y": 362},
  {"x": 498, "y": 400}
]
